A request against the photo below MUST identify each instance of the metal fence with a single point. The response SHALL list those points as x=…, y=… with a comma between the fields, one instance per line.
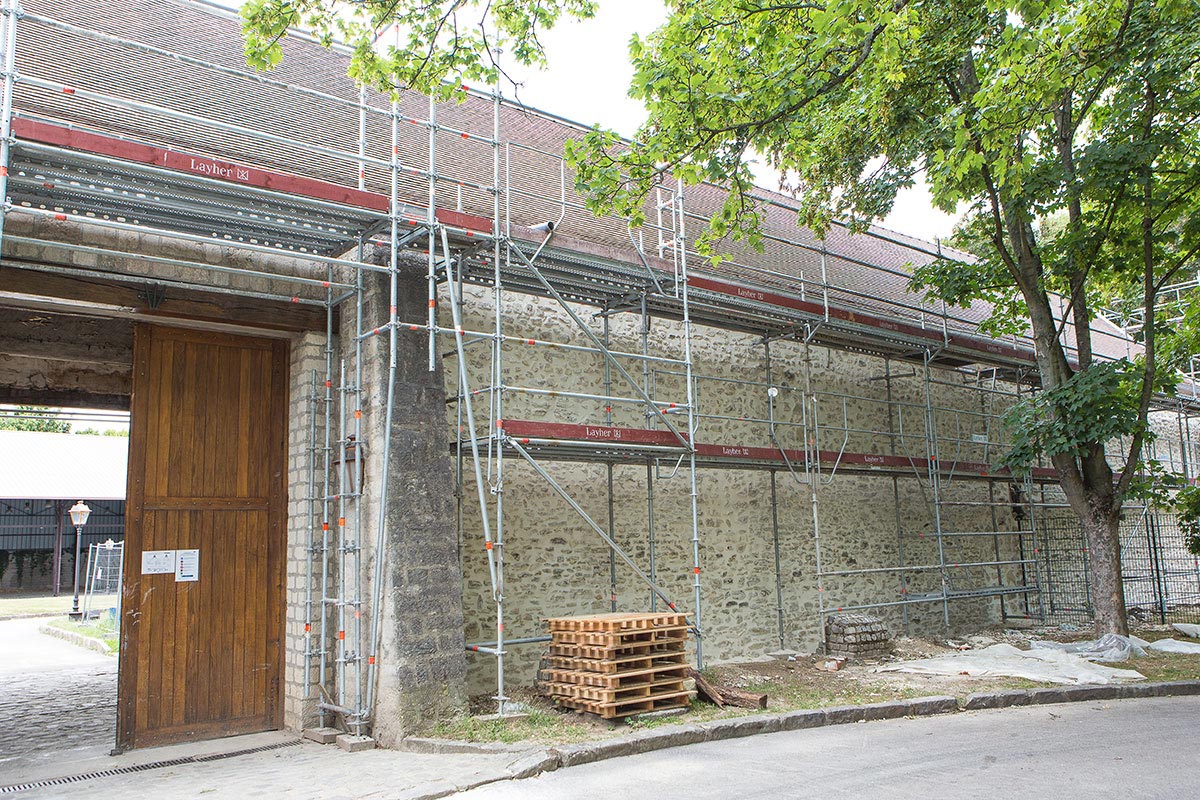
x=103, y=577
x=32, y=530
x=1162, y=578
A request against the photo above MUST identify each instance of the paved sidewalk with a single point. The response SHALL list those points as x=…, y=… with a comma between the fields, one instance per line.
x=24, y=649
x=301, y=770
x=58, y=702
x=58, y=717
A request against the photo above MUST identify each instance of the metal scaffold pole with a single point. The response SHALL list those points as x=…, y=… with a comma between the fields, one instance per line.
x=312, y=549
x=366, y=711
x=892, y=448
x=342, y=566
x=326, y=505
x=812, y=471
x=608, y=470
x=11, y=11
x=499, y=234
x=935, y=484
x=771, y=394
x=682, y=278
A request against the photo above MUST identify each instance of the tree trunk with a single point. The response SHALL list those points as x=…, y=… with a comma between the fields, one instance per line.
x=1101, y=532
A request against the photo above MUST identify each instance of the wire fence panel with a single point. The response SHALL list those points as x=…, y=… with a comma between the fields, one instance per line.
x=1162, y=578
x=103, y=575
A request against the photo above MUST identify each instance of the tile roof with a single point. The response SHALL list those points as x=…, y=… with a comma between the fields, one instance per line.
x=866, y=272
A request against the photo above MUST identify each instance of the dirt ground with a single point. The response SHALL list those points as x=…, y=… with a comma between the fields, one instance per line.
x=798, y=682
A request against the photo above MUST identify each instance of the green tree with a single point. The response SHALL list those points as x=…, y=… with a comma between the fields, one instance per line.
x=1068, y=129
x=90, y=431
x=33, y=418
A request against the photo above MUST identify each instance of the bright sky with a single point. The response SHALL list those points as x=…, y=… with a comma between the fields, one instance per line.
x=590, y=72
x=589, y=75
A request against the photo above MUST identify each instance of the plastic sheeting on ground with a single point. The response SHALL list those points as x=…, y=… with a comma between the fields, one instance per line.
x=1187, y=629
x=1109, y=647
x=999, y=660
x=1175, y=646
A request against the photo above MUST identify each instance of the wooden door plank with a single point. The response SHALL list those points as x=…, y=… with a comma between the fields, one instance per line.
x=185, y=620
x=275, y=533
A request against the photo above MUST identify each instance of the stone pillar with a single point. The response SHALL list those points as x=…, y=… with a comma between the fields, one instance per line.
x=307, y=356
x=421, y=665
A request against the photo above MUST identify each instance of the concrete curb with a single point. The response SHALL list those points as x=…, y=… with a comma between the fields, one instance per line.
x=417, y=744
x=537, y=762
x=530, y=764
x=1076, y=694
x=77, y=639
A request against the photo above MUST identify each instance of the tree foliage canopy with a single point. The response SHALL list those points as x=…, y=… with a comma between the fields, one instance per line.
x=33, y=418
x=438, y=46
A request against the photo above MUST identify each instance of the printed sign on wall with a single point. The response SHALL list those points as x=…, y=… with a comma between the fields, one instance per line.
x=158, y=562
x=187, y=565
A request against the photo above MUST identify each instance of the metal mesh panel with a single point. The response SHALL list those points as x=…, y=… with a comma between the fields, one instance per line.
x=1162, y=579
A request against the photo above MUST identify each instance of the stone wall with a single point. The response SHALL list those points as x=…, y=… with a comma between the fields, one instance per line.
x=556, y=565
x=421, y=662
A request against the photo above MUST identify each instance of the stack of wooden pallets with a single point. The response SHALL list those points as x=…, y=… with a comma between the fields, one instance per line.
x=614, y=665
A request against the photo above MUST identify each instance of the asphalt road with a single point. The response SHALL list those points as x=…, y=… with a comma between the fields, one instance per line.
x=1126, y=749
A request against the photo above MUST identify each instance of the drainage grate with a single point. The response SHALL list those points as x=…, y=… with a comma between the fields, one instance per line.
x=174, y=762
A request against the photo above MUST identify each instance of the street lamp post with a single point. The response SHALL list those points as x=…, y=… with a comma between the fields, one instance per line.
x=79, y=517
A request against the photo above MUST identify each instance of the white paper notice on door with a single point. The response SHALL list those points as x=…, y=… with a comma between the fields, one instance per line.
x=187, y=565
x=158, y=562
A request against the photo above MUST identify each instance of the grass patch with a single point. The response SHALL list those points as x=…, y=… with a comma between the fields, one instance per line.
x=790, y=686
x=17, y=606
x=539, y=726
x=102, y=630
x=1167, y=666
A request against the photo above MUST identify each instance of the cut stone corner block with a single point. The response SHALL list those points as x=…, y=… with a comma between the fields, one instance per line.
x=355, y=744
x=321, y=735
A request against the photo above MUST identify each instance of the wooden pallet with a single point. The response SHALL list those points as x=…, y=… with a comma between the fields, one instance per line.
x=616, y=680
x=614, y=665
x=627, y=707
x=640, y=691
x=619, y=664
x=624, y=651
x=621, y=638
x=617, y=622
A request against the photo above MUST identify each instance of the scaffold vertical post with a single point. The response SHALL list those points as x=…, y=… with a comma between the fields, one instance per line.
x=11, y=11
x=774, y=505
x=681, y=238
x=893, y=449
x=933, y=457
x=608, y=470
x=499, y=238
x=812, y=468
x=309, y=568
x=367, y=711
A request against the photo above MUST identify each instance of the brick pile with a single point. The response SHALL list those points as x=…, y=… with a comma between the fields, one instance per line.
x=860, y=636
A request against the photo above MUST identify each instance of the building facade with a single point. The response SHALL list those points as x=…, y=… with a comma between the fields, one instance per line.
x=404, y=397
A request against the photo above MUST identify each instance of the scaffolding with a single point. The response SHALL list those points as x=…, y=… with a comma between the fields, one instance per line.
x=495, y=217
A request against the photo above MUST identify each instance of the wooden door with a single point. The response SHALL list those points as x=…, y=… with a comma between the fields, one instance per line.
x=203, y=658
